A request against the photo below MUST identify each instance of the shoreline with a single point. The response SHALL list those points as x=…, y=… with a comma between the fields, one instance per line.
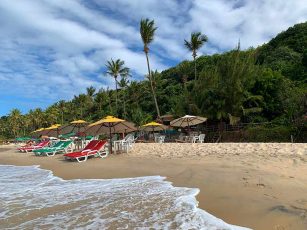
x=260, y=186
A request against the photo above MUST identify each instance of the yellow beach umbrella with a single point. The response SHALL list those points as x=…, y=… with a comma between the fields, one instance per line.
x=78, y=122
x=109, y=125
x=74, y=127
x=153, y=126
x=52, y=131
x=37, y=132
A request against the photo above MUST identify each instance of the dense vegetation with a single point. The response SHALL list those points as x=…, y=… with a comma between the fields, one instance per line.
x=263, y=85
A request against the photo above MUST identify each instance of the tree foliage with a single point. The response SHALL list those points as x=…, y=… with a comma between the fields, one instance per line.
x=263, y=84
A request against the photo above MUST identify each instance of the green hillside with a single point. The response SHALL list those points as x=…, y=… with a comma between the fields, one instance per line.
x=287, y=53
x=262, y=85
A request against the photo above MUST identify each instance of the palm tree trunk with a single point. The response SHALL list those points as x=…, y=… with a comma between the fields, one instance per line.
x=116, y=99
x=151, y=85
x=110, y=104
x=124, y=99
x=195, y=76
x=62, y=117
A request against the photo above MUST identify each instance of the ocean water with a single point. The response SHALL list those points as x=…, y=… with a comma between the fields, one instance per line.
x=33, y=198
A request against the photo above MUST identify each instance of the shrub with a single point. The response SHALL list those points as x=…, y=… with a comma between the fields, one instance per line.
x=266, y=134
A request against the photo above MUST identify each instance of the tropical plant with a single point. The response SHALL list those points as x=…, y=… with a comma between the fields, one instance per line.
x=90, y=91
x=267, y=84
x=197, y=40
x=81, y=102
x=15, y=121
x=100, y=99
x=62, y=108
x=123, y=83
x=147, y=31
x=115, y=69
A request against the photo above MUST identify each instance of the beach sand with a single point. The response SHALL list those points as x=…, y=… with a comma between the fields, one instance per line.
x=256, y=185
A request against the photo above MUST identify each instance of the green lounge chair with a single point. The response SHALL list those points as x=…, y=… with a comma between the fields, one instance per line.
x=60, y=147
x=38, y=152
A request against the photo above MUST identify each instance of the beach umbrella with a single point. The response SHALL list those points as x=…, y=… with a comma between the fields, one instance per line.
x=153, y=126
x=109, y=125
x=38, y=132
x=74, y=127
x=187, y=121
x=52, y=131
x=67, y=135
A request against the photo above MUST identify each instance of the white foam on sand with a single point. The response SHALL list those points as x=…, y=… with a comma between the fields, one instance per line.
x=31, y=197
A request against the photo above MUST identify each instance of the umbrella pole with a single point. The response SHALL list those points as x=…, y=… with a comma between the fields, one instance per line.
x=110, y=139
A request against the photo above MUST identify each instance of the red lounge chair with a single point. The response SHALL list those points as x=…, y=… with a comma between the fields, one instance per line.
x=31, y=148
x=98, y=149
x=89, y=146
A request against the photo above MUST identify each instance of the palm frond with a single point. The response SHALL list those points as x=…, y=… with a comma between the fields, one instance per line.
x=117, y=68
x=147, y=31
x=197, y=40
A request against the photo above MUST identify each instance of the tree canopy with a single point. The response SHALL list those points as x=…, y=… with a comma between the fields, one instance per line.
x=267, y=83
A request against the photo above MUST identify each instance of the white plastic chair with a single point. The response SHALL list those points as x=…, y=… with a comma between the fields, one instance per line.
x=161, y=139
x=124, y=144
x=201, y=138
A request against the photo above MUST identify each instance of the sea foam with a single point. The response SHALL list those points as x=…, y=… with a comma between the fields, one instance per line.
x=32, y=198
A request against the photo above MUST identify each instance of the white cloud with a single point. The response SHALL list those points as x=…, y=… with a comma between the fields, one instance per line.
x=53, y=49
x=254, y=22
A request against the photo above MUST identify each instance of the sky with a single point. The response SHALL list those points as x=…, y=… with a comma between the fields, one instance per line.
x=53, y=49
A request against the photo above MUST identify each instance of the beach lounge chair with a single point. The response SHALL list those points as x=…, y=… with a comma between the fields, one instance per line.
x=99, y=149
x=59, y=147
x=34, y=147
x=38, y=152
x=90, y=145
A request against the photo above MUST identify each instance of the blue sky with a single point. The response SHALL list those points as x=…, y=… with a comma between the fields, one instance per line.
x=53, y=49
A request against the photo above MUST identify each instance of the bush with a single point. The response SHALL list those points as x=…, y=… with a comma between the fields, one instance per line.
x=268, y=134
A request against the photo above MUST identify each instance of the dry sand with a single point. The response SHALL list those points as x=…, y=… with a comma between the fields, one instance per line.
x=261, y=186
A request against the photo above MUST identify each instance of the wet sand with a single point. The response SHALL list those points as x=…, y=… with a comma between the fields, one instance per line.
x=261, y=186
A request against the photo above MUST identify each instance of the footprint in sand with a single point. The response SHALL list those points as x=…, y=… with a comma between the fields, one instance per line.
x=261, y=185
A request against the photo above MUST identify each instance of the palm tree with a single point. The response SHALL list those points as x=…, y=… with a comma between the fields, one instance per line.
x=123, y=83
x=90, y=91
x=147, y=31
x=51, y=115
x=100, y=98
x=81, y=102
x=115, y=69
x=62, y=108
x=15, y=121
x=196, y=42
x=37, y=118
